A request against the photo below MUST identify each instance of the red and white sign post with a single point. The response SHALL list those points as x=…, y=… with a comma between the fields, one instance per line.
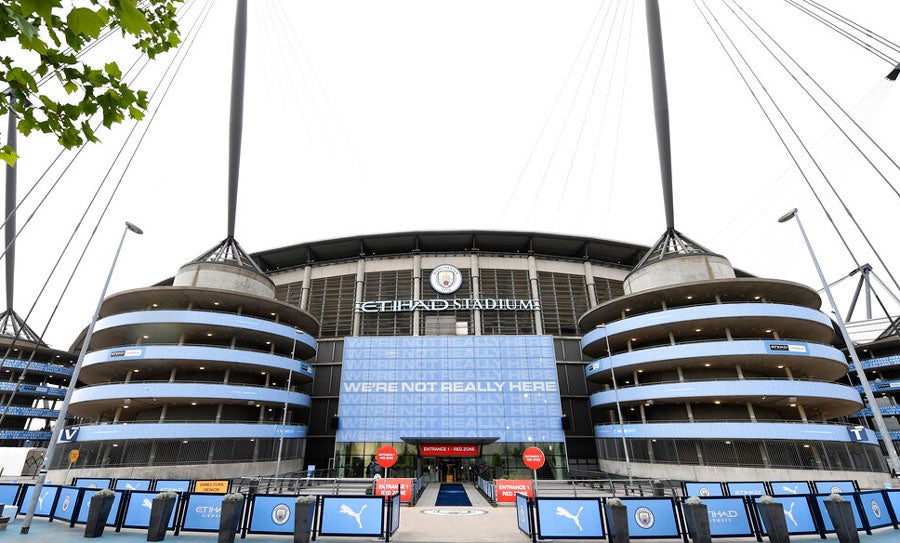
x=534, y=460
x=386, y=457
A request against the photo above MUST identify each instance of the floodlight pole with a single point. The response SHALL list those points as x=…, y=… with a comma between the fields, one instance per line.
x=63, y=410
x=612, y=371
x=860, y=373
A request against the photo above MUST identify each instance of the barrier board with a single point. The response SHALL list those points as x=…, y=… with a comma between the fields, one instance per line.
x=829, y=526
x=728, y=517
x=893, y=500
x=790, y=488
x=137, y=511
x=351, y=516
x=569, y=518
x=9, y=493
x=753, y=488
x=45, y=502
x=798, y=515
x=132, y=484
x=202, y=512
x=876, y=509
x=92, y=483
x=702, y=489
x=219, y=486
x=522, y=517
x=651, y=518
x=834, y=487
x=395, y=513
x=172, y=485
x=86, y=505
x=67, y=503
x=273, y=514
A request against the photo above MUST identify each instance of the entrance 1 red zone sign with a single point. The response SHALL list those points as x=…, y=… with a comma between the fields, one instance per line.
x=533, y=458
x=388, y=487
x=508, y=488
x=386, y=456
x=448, y=450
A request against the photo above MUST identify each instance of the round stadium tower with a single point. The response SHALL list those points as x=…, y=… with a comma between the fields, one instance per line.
x=192, y=380
x=719, y=377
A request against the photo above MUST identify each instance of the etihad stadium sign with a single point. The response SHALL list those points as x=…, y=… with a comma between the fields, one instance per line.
x=463, y=304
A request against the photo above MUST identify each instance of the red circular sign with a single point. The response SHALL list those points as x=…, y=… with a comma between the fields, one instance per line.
x=533, y=458
x=386, y=456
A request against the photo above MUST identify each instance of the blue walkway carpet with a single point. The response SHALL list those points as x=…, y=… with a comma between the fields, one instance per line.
x=452, y=494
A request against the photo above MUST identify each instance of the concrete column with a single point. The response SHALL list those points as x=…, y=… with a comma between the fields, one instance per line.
x=751, y=412
x=680, y=373
x=728, y=335
x=535, y=294
x=643, y=413
x=671, y=338
x=219, y=413
x=634, y=375
x=802, y=413
x=690, y=412
x=775, y=335
x=790, y=375
x=304, y=288
x=358, y=295
x=117, y=415
x=181, y=339
x=764, y=456
x=699, y=453
x=589, y=283
x=740, y=372
x=172, y=375
x=476, y=290
x=227, y=374
x=162, y=413
x=128, y=376
x=417, y=291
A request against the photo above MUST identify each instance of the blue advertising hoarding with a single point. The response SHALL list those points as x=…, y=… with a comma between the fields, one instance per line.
x=202, y=512
x=651, y=518
x=893, y=498
x=92, y=483
x=8, y=493
x=137, y=513
x=569, y=518
x=829, y=526
x=703, y=489
x=834, y=487
x=86, y=505
x=345, y=515
x=45, y=500
x=798, y=515
x=792, y=488
x=728, y=517
x=522, y=513
x=65, y=506
x=449, y=387
x=395, y=513
x=273, y=515
x=746, y=489
x=172, y=485
x=132, y=484
x=876, y=509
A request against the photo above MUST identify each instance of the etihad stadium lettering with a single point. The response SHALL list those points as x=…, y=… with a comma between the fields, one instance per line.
x=490, y=304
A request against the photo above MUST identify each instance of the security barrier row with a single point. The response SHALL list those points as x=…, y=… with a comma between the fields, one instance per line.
x=729, y=516
x=346, y=516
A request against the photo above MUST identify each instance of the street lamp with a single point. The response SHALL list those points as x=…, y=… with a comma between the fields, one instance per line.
x=61, y=418
x=287, y=391
x=863, y=380
x=612, y=371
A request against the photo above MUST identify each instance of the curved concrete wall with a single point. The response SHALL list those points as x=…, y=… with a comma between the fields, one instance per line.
x=677, y=270
x=225, y=277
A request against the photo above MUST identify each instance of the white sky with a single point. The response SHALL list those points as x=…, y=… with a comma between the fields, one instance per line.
x=372, y=117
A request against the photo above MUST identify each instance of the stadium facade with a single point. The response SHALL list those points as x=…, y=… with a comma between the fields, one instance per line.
x=460, y=349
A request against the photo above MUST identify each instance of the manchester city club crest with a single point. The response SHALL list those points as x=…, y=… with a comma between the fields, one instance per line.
x=704, y=491
x=876, y=509
x=446, y=279
x=68, y=499
x=835, y=490
x=280, y=514
x=644, y=518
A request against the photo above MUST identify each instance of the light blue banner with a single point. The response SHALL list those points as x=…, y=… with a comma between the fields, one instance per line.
x=829, y=526
x=522, y=514
x=351, y=516
x=92, y=483
x=728, y=517
x=273, y=514
x=569, y=518
x=137, y=515
x=789, y=488
x=133, y=484
x=797, y=515
x=876, y=509
x=746, y=489
x=834, y=487
x=8, y=493
x=86, y=506
x=703, y=489
x=65, y=507
x=395, y=512
x=45, y=499
x=651, y=517
x=203, y=512
x=172, y=485
x=893, y=497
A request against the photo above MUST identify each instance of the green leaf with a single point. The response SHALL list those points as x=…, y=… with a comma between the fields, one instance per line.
x=70, y=87
x=113, y=70
x=85, y=21
x=135, y=113
x=8, y=155
x=23, y=78
x=131, y=19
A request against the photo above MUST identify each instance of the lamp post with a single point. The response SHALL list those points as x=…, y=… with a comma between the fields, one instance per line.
x=287, y=391
x=61, y=418
x=863, y=380
x=612, y=371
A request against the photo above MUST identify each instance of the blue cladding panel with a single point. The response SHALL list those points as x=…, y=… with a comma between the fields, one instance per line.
x=453, y=387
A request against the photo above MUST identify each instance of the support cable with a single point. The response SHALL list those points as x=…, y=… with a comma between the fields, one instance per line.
x=590, y=103
x=818, y=86
x=769, y=118
x=568, y=115
x=550, y=113
x=847, y=21
x=843, y=32
x=105, y=209
x=827, y=180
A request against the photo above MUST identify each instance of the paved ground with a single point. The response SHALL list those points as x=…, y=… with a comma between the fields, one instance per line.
x=420, y=524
